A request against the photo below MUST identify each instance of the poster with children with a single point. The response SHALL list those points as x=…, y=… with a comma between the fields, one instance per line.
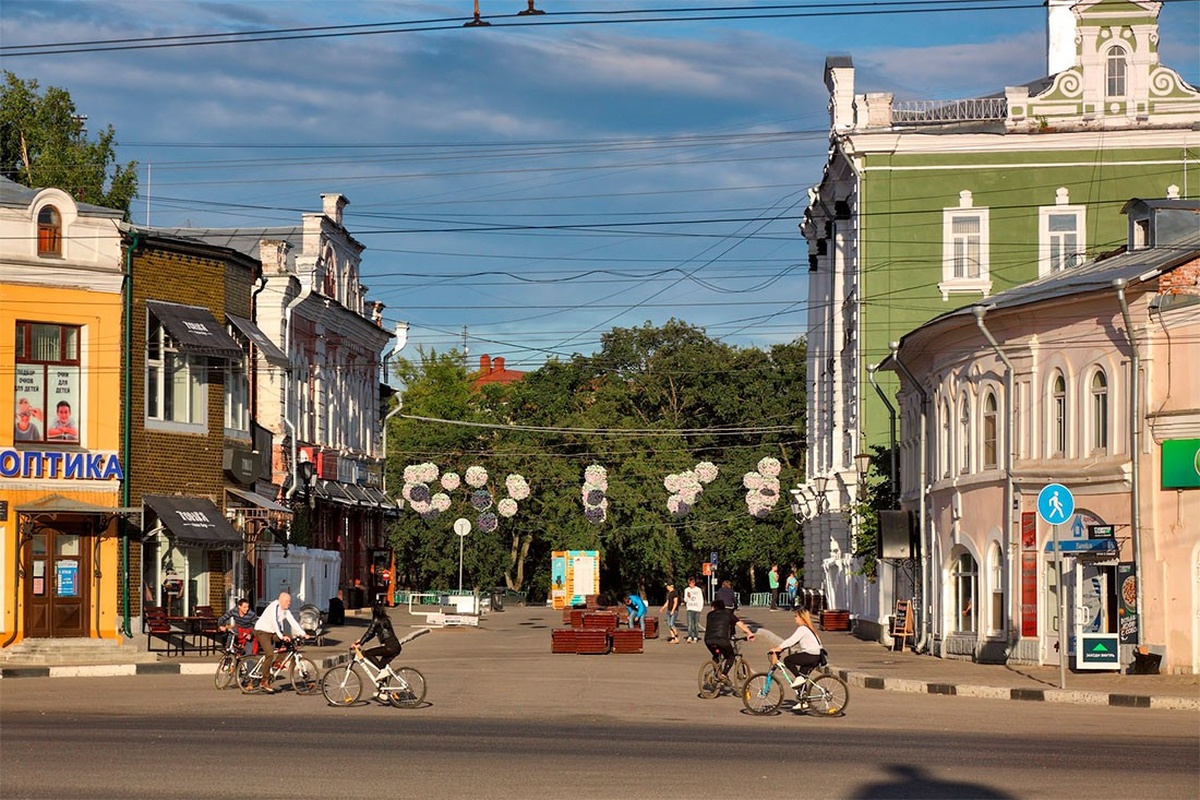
x=30, y=418
x=62, y=404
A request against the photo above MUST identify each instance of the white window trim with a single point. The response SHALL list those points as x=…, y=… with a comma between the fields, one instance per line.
x=191, y=363
x=950, y=284
x=1045, y=251
x=1095, y=448
x=1053, y=428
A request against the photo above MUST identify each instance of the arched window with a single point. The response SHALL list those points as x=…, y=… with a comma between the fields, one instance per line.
x=1099, y=412
x=997, y=620
x=989, y=430
x=945, y=450
x=966, y=586
x=965, y=434
x=1114, y=72
x=49, y=232
x=1058, y=421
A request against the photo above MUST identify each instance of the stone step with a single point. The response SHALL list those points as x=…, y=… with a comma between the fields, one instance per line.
x=44, y=652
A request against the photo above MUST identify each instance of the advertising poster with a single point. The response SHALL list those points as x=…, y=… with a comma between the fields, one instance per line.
x=558, y=579
x=1127, y=613
x=30, y=404
x=574, y=574
x=62, y=404
x=67, y=579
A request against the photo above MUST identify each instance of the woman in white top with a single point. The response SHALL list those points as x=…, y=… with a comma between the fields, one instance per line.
x=808, y=648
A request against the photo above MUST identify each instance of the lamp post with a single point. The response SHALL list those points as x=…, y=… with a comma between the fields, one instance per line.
x=462, y=526
x=820, y=484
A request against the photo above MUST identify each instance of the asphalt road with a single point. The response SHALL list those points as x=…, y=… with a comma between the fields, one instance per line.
x=505, y=719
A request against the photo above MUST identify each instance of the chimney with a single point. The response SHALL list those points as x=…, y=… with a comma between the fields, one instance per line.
x=332, y=205
x=499, y=363
x=1060, y=36
x=485, y=364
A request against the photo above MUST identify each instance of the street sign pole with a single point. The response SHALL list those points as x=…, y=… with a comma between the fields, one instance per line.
x=462, y=527
x=1063, y=646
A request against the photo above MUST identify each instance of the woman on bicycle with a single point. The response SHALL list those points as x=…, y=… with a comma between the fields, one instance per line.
x=389, y=645
x=808, y=654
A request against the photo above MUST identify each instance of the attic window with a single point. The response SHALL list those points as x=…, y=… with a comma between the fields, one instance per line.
x=49, y=232
x=1115, y=72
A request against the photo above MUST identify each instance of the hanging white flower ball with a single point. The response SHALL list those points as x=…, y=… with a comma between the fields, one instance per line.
x=706, y=472
x=440, y=501
x=752, y=480
x=507, y=507
x=451, y=481
x=518, y=487
x=476, y=476
x=769, y=466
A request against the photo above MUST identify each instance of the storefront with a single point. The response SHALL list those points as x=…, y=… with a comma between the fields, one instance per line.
x=187, y=554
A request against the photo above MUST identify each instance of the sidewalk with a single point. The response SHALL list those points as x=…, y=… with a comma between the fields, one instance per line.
x=864, y=664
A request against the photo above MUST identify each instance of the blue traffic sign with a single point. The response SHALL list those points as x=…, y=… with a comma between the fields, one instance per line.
x=713, y=559
x=1055, y=504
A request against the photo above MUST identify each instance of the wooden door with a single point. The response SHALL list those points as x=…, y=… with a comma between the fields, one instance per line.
x=57, y=590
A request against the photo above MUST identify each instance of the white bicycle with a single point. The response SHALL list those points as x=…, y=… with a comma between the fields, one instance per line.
x=403, y=687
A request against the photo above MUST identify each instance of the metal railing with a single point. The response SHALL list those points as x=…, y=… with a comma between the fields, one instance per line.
x=931, y=112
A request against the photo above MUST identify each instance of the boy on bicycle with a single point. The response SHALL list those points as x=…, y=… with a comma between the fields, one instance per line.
x=719, y=626
x=241, y=619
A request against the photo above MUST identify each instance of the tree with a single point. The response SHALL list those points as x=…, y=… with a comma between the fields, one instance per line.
x=43, y=143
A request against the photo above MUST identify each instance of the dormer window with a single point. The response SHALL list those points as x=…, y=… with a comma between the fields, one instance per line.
x=49, y=232
x=1114, y=72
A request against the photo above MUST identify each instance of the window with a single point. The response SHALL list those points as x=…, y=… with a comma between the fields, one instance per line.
x=237, y=399
x=996, y=566
x=176, y=390
x=989, y=430
x=47, y=394
x=1058, y=410
x=966, y=578
x=1061, y=235
x=1099, y=413
x=965, y=436
x=49, y=232
x=1114, y=72
x=964, y=248
x=944, y=449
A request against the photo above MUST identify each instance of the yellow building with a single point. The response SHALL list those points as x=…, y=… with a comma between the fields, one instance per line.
x=63, y=545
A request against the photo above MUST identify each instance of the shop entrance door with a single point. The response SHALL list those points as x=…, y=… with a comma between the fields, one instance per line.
x=1053, y=644
x=57, y=597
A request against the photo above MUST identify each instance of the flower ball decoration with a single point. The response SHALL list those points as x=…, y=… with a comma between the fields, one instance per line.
x=762, y=487
x=451, y=481
x=507, y=507
x=440, y=502
x=686, y=487
x=518, y=487
x=595, y=503
x=486, y=522
x=476, y=477
x=481, y=499
x=418, y=493
x=417, y=478
x=706, y=472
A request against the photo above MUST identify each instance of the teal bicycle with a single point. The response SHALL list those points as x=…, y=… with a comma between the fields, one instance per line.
x=825, y=695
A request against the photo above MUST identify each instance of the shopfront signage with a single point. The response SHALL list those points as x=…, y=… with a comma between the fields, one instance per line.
x=1101, y=531
x=60, y=465
x=1098, y=651
x=1181, y=464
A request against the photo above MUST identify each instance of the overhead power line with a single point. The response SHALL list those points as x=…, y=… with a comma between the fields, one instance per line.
x=615, y=432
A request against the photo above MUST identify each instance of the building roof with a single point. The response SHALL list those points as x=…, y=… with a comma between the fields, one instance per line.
x=243, y=240
x=15, y=195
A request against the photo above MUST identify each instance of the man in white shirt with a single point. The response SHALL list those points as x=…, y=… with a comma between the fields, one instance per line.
x=275, y=622
x=693, y=601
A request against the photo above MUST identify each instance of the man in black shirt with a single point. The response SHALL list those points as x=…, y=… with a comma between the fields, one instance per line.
x=719, y=627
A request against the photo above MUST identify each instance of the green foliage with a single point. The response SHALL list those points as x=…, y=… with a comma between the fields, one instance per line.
x=43, y=144
x=653, y=401
x=881, y=494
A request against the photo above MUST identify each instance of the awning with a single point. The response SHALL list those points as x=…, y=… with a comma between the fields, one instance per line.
x=265, y=346
x=332, y=491
x=196, y=330
x=194, y=521
x=356, y=492
x=47, y=509
x=382, y=500
x=256, y=499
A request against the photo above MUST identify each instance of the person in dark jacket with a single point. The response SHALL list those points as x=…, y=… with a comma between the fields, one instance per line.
x=241, y=619
x=381, y=626
x=719, y=628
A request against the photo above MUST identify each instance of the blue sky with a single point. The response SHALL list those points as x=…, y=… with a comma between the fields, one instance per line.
x=540, y=180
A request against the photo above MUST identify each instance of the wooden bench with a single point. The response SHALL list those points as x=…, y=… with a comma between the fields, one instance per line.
x=158, y=628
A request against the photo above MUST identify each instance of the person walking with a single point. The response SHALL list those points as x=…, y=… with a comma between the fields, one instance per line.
x=773, y=585
x=671, y=609
x=693, y=603
x=727, y=596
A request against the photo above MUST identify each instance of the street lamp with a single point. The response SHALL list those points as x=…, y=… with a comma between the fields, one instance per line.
x=820, y=484
x=462, y=527
x=862, y=462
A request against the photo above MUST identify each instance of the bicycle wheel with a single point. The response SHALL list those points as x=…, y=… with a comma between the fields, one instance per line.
x=226, y=671
x=709, y=680
x=304, y=675
x=407, y=689
x=249, y=672
x=741, y=671
x=828, y=696
x=762, y=694
x=342, y=685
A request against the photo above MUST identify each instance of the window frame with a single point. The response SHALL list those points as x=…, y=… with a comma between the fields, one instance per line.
x=49, y=232
x=989, y=451
x=1116, y=73
x=965, y=578
x=62, y=370
x=169, y=365
x=965, y=435
x=1055, y=256
x=951, y=241
x=1100, y=419
x=1058, y=411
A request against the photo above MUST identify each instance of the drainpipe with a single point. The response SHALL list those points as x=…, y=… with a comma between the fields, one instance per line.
x=871, y=368
x=926, y=540
x=1009, y=450
x=1135, y=517
x=305, y=291
x=126, y=424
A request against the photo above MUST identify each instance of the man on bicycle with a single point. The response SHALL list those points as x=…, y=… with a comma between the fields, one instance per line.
x=719, y=628
x=276, y=622
x=241, y=619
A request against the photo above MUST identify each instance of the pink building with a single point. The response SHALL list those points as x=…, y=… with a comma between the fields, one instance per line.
x=1033, y=387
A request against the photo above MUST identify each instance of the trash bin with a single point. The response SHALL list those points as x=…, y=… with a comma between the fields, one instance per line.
x=1145, y=663
x=498, y=598
x=356, y=597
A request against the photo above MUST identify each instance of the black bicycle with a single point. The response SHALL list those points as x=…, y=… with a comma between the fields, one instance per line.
x=231, y=656
x=713, y=683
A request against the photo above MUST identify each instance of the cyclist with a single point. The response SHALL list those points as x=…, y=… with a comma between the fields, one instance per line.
x=276, y=622
x=808, y=643
x=389, y=645
x=240, y=619
x=719, y=627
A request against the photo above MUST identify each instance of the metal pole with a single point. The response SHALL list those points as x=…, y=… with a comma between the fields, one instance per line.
x=1063, y=647
x=460, y=556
